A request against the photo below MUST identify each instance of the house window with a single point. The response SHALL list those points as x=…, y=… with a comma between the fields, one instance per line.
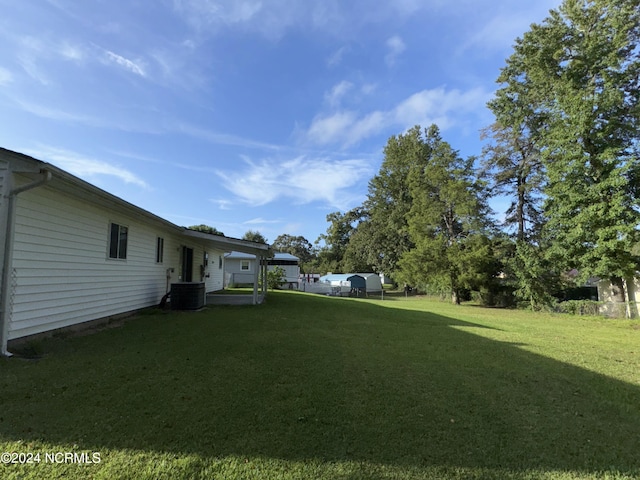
x=244, y=265
x=220, y=262
x=160, y=250
x=118, y=241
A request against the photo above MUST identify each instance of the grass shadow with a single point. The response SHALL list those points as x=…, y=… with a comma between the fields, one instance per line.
x=305, y=377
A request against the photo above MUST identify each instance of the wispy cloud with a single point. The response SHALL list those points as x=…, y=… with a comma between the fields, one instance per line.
x=443, y=107
x=5, y=77
x=303, y=180
x=395, y=46
x=220, y=138
x=334, y=97
x=336, y=57
x=57, y=114
x=83, y=166
x=222, y=204
x=125, y=63
x=261, y=221
x=71, y=51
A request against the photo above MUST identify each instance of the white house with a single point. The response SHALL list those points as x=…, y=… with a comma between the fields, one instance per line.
x=72, y=253
x=239, y=268
x=621, y=299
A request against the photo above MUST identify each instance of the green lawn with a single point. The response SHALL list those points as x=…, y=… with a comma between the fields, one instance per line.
x=311, y=387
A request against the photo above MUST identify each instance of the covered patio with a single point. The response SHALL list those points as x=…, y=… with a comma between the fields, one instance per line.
x=262, y=253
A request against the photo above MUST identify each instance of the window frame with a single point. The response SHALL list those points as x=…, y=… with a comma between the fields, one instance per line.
x=159, y=249
x=118, y=241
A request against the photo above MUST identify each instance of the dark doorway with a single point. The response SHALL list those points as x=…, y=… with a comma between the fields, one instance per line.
x=187, y=264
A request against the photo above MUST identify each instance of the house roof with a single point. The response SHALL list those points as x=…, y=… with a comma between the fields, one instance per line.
x=285, y=256
x=276, y=256
x=72, y=185
x=335, y=277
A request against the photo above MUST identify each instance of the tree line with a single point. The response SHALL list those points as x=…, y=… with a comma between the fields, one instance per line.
x=563, y=149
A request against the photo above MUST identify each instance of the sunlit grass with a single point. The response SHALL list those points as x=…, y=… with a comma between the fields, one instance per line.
x=312, y=387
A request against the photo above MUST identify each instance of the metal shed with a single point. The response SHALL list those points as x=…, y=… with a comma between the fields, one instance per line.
x=364, y=283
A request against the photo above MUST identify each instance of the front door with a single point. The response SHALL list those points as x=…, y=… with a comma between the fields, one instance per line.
x=187, y=264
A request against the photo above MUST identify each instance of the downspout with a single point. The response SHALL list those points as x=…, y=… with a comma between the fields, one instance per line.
x=5, y=286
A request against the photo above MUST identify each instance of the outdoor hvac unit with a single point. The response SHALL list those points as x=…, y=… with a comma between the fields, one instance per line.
x=187, y=296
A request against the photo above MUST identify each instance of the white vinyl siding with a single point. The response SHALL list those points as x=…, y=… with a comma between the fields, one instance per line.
x=61, y=275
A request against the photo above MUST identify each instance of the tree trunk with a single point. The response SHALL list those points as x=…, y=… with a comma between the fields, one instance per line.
x=520, y=209
x=455, y=297
x=631, y=308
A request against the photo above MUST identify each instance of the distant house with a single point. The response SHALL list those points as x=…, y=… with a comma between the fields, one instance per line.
x=619, y=300
x=72, y=253
x=239, y=268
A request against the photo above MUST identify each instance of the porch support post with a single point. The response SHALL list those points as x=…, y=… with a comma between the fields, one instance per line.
x=265, y=269
x=256, y=276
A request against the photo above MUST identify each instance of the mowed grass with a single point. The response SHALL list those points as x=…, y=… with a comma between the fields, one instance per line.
x=309, y=387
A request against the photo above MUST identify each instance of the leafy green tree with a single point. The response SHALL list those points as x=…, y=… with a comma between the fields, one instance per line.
x=254, y=236
x=578, y=72
x=447, y=222
x=362, y=254
x=275, y=278
x=336, y=239
x=295, y=245
x=512, y=162
x=206, y=229
x=385, y=236
x=535, y=275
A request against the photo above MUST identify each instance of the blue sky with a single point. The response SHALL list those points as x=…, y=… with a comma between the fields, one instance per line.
x=246, y=114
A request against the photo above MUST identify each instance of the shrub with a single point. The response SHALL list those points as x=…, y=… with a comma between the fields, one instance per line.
x=579, y=307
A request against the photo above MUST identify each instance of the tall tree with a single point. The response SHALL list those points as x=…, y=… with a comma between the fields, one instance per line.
x=579, y=71
x=206, y=229
x=389, y=201
x=295, y=245
x=341, y=225
x=447, y=222
x=254, y=236
x=513, y=163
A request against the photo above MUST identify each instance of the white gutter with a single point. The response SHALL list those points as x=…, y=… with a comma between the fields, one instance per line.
x=7, y=267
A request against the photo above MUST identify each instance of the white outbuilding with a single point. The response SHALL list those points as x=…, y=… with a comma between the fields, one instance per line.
x=358, y=283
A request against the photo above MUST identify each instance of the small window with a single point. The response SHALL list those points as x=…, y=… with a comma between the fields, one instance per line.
x=160, y=250
x=220, y=262
x=244, y=265
x=118, y=241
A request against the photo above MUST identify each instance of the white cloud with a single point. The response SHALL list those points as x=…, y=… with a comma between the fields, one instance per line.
x=395, y=46
x=58, y=115
x=328, y=129
x=71, y=52
x=223, y=204
x=219, y=138
x=260, y=221
x=444, y=107
x=368, y=88
x=5, y=77
x=303, y=180
x=202, y=13
x=209, y=16
x=125, y=63
x=336, y=57
x=439, y=106
x=85, y=167
x=334, y=97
